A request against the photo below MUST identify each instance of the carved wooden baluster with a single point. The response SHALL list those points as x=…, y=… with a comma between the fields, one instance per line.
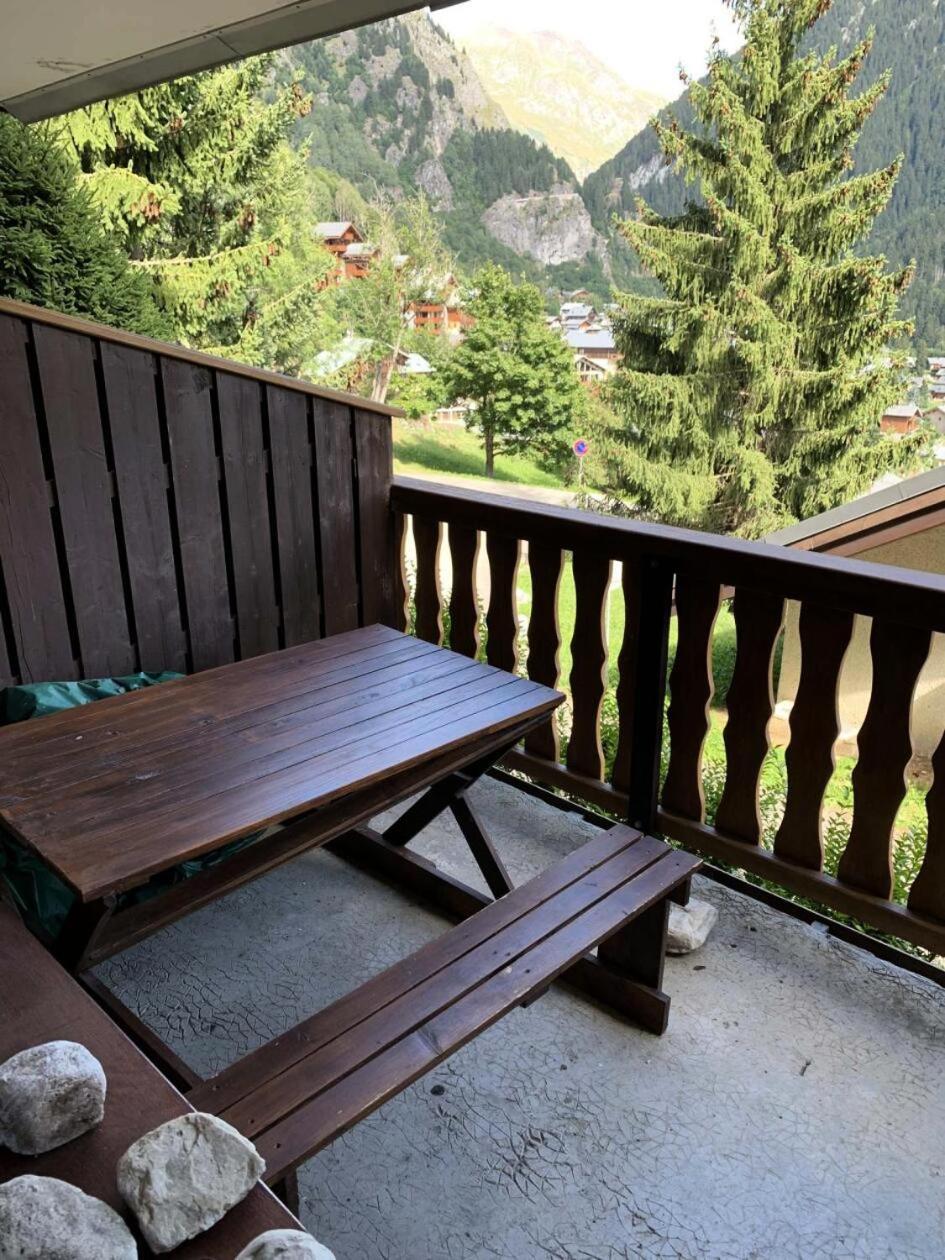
x=885, y=749
x=928, y=892
x=691, y=690
x=544, y=639
x=589, y=662
x=427, y=536
x=502, y=617
x=464, y=608
x=759, y=616
x=401, y=592
x=815, y=724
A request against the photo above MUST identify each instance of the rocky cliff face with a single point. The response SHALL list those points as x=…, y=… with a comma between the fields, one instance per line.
x=551, y=227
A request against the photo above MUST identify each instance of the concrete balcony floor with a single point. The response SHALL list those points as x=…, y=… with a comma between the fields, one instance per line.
x=795, y=1107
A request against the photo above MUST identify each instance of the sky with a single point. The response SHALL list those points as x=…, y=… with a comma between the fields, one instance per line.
x=645, y=41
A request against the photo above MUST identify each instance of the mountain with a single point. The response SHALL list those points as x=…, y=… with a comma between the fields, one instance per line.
x=910, y=41
x=397, y=107
x=555, y=90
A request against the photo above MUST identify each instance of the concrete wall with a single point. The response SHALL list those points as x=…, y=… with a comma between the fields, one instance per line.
x=925, y=552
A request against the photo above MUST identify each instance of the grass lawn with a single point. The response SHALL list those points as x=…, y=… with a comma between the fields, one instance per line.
x=454, y=451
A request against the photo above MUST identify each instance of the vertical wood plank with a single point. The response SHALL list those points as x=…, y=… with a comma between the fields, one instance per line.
x=141, y=478
x=464, y=603
x=83, y=485
x=7, y=676
x=691, y=689
x=885, y=749
x=927, y=895
x=502, y=617
x=544, y=640
x=815, y=723
x=641, y=693
x=27, y=543
x=401, y=618
x=189, y=415
x=291, y=454
x=592, y=572
x=759, y=616
x=374, y=451
x=334, y=474
x=247, y=505
x=427, y=536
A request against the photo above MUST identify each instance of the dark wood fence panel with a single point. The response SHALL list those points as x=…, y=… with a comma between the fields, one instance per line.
x=142, y=482
x=427, y=537
x=464, y=603
x=502, y=616
x=592, y=571
x=544, y=640
x=161, y=509
x=927, y=896
x=28, y=560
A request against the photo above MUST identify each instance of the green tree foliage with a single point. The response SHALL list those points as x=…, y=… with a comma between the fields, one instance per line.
x=53, y=249
x=751, y=390
x=516, y=370
x=198, y=180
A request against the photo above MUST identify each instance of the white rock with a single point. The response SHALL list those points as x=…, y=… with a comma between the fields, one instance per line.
x=49, y=1094
x=689, y=926
x=185, y=1175
x=285, y=1244
x=42, y=1218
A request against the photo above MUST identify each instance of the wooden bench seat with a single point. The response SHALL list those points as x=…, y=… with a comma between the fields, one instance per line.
x=299, y=1092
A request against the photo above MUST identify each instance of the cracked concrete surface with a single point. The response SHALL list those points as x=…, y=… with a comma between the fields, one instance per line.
x=795, y=1107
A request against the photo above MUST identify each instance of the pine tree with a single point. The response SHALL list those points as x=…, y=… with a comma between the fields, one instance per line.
x=53, y=249
x=197, y=178
x=751, y=389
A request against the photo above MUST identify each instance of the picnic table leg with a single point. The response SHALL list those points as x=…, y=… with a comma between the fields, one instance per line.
x=85, y=923
x=287, y=1189
x=637, y=953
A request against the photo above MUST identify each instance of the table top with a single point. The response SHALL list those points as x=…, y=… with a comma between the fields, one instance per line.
x=114, y=792
x=53, y=1006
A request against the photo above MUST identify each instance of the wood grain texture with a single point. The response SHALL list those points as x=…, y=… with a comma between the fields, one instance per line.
x=691, y=690
x=374, y=454
x=815, y=723
x=28, y=560
x=464, y=597
x=248, y=518
x=502, y=617
x=544, y=639
x=592, y=572
x=927, y=896
x=759, y=616
x=334, y=467
x=84, y=494
x=141, y=478
x=885, y=750
x=428, y=598
x=290, y=452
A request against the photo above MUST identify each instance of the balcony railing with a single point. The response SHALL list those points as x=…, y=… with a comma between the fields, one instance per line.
x=653, y=774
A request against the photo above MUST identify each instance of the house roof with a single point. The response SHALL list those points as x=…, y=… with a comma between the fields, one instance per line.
x=897, y=511
x=331, y=231
x=360, y=249
x=590, y=339
x=905, y=411
x=59, y=54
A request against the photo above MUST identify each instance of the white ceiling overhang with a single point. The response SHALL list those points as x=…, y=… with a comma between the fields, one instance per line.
x=56, y=55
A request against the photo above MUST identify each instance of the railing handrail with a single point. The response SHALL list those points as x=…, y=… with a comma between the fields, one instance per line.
x=171, y=350
x=901, y=595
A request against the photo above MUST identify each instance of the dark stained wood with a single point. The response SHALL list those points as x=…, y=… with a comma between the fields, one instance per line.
x=691, y=688
x=142, y=482
x=638, y=950
x=400, y=619
x=375, y=464
x=885, y=750
x=502, y=616
x=464, y=602
x=195, y=473
x=759, y=617
x=544, y=639
x=84, y=494
x=247, y=509
x=183, y=786
x=927, y=896
x=481, y=847
x=427, y=537
x=291, y=456
x=592, y=572
x=334, y=468
x=824, y=638
x=28, y=562
x=52, y=1007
